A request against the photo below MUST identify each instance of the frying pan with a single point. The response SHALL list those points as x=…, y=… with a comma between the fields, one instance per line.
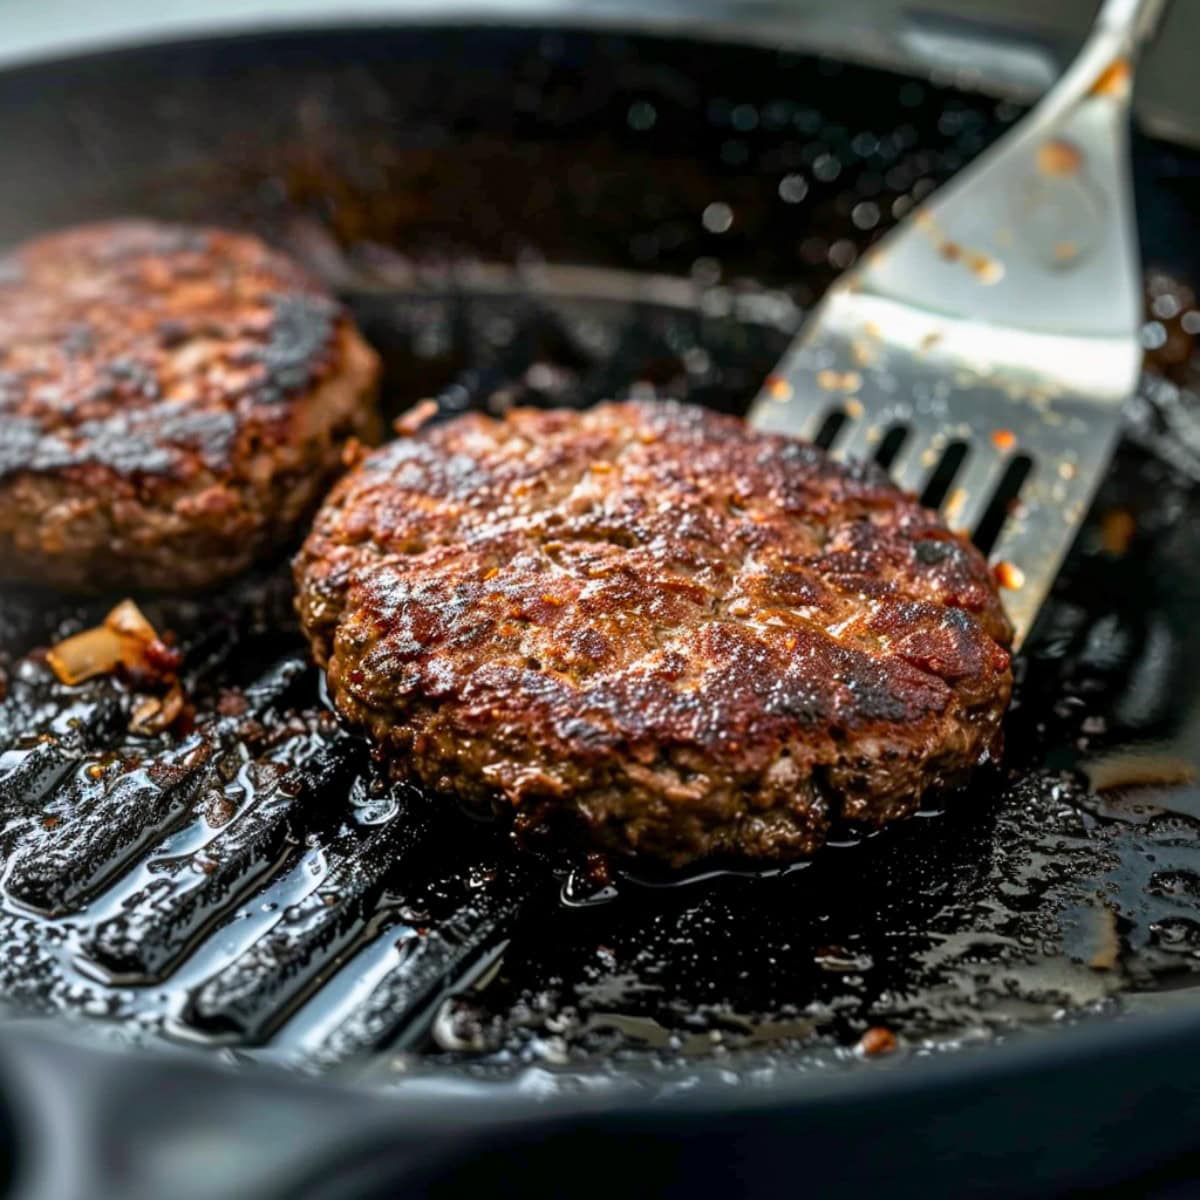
x=518, y=213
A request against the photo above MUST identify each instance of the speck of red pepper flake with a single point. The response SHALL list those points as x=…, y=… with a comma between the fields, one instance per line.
x=877, y=1040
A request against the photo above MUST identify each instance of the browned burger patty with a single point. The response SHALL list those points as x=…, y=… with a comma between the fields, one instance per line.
x=172, y=401
x=651, y=629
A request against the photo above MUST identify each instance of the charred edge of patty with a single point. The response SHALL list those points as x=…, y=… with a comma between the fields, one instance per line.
x=677, y=806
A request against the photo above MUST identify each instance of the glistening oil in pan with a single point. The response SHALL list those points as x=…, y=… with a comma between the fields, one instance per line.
x=281, y=902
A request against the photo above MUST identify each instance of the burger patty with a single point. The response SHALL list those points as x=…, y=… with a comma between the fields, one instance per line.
x=648, y=629
x=173, y=401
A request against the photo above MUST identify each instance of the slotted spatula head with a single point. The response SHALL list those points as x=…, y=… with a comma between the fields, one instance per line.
x=983, y=350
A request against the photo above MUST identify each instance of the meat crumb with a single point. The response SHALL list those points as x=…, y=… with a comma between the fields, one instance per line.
x=409, y=422
x=877, y=1041
x=126, y=645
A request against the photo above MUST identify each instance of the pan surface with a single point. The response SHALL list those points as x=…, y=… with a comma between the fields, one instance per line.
x=539, y=216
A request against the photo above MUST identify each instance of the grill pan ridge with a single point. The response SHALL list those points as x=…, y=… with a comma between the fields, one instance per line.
x=257, y=886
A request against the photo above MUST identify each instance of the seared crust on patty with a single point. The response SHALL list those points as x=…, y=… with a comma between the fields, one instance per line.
x=172, y=401
x=653, y=630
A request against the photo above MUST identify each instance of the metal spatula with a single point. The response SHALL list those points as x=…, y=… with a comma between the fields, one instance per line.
x=983, y=350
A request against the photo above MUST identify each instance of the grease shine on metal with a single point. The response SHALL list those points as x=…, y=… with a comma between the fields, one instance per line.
x=1003, y=314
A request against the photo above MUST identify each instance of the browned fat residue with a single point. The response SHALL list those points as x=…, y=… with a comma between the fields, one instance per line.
x=984, y=267
x=1138, y=768
x=1117, y=528
x=1106, y=940
x=1113, y=80
x=1059, y=157
x=838, y=381
x=1009, y=576
x=862, y=353
x=954, y=505
x=987, y=268
x=153, y=714
x=778, y=388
